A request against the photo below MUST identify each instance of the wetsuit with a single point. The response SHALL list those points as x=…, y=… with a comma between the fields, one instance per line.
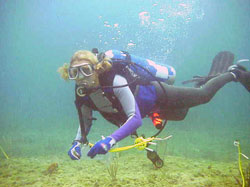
x=173, y=104
x=129, y=107
x=175, y=101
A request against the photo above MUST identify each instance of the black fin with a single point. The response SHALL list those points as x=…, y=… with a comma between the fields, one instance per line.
x=220, y=64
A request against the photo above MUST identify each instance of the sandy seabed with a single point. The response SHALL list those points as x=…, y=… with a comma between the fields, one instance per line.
x=133, y=170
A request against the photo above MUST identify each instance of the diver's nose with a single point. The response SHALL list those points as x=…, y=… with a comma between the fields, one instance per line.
x=80, y=75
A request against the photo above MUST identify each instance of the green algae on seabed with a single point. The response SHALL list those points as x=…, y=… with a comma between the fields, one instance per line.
x=134, y=170
x=112, y=168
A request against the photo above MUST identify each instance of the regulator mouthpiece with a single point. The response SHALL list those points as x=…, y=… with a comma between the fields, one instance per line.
x=81, y=91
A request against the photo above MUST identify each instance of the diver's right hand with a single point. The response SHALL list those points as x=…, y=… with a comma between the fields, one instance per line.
x=75, y=151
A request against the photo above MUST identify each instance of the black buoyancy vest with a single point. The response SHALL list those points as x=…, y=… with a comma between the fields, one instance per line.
x=106, y=79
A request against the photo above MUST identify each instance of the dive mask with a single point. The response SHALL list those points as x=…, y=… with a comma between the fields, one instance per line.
x=86, y=70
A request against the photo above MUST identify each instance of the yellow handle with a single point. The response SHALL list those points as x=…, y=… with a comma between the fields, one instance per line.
x=140, y=143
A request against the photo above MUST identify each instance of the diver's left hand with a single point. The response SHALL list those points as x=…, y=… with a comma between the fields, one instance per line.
x=102, y=147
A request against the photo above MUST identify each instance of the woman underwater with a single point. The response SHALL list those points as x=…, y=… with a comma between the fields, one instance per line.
x=103, y=85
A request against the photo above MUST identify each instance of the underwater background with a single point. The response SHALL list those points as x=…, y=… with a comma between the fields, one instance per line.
x=38, y=118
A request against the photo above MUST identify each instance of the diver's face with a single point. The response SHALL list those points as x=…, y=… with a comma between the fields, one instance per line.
x=83, y=72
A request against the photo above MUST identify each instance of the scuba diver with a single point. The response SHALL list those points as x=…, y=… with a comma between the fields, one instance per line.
x=125, y=88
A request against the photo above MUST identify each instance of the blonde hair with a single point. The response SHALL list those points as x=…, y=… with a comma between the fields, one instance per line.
x=101, y=67
x=63, y=71
x=104, y=65
x=84, y=55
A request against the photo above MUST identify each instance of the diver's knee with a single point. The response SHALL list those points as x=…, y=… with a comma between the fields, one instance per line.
x=182, y=114
x=205, y=96
x=205, y=99
x=176, y=114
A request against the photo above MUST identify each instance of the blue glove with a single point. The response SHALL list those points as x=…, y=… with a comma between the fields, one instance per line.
x=75, y=151
x=102, y=147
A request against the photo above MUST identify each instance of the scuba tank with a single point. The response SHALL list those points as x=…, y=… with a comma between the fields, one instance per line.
x=142, y=71
x=146, y=70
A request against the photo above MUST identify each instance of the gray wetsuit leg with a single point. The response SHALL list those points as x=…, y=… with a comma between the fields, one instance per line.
x=176, y=100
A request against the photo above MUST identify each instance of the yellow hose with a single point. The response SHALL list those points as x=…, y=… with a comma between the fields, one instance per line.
x=140, y=144
x=6, y=156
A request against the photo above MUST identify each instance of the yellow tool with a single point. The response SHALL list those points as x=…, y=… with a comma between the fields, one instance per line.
x=140, y=143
